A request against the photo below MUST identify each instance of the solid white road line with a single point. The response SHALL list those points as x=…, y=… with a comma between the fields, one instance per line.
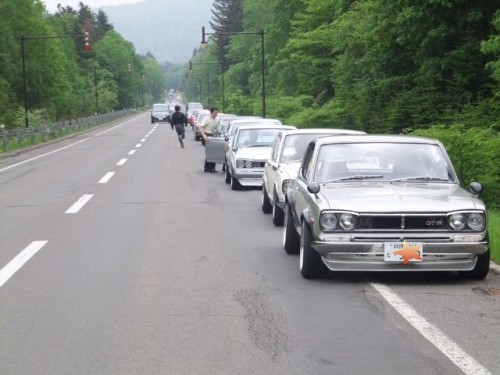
x=42, y=155
x=131, y=152
x=15, y=264
x=449, y=348
x=122, y=161
x=79, y=204
x=106, y=177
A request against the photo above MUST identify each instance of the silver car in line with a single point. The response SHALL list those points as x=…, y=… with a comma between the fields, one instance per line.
x=384, y=203
x=283, y=166
x=251, y=148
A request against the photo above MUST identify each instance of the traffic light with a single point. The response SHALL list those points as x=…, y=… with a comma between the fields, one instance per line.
x=86, y=46
x=129, y=68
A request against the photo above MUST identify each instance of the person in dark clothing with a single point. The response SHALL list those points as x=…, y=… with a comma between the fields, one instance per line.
x=178, y=120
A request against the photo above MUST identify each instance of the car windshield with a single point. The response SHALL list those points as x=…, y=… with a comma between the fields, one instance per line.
x=236, y=125
x=395, y=162
x=160, y=108
x=256, y=137
x=295, y=146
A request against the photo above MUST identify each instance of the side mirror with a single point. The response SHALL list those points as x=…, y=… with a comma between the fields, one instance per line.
x=235, y=149
x=475, y=188
x=313, y=188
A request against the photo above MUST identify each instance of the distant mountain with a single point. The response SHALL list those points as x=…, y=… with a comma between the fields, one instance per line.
x=169, y=29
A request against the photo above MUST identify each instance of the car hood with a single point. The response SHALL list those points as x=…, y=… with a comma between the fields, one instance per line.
x=254, y=153
x=398, y=197
x=289, y=170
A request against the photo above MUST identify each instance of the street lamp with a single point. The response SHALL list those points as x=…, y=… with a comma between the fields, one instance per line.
x=204, y=44
x=221, y=77
x=87, y=47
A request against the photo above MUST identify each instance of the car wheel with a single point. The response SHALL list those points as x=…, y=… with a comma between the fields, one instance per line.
x=265, y=203
x=291, y=240
x=235, y=185
x=278, y=214
x=481, y=268
x=227, y=175
x=311, y=265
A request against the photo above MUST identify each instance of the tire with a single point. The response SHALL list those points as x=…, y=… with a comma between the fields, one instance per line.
x=227, y=175
x=235, y=185
x=291, y=240
x=311, y=265
x=481, y=268
x=265, y=203
x=278, y=214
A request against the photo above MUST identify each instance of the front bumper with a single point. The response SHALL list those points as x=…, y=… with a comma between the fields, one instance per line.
x=369, y=256
x=249, y=177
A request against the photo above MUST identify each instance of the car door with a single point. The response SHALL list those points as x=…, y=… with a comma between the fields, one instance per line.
x=271, y=168
x=215, y=149
x=300, y=193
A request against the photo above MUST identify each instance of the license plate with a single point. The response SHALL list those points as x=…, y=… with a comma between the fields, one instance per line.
x=403, y=252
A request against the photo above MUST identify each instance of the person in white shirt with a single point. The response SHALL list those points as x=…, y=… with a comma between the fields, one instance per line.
x=208, y=128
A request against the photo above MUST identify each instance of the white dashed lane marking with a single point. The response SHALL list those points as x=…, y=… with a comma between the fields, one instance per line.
x=79, y=204
x=106, y=177
x=15, y=264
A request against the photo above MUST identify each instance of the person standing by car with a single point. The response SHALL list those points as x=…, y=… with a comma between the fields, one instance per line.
x=208, y=128
x=179, y=121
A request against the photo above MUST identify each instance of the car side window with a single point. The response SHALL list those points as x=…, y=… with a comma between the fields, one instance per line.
x=307, y=169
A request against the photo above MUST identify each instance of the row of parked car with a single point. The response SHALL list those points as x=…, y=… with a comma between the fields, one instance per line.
x=351, y=201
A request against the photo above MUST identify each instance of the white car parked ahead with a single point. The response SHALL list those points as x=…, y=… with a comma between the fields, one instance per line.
x=251, y=148
x=283, y=166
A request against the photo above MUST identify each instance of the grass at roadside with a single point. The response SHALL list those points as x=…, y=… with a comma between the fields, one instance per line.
x=494, y=234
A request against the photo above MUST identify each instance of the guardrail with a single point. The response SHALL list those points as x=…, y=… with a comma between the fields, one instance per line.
x=23, y=137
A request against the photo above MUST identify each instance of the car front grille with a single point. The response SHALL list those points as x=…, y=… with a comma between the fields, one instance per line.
x=402, y=222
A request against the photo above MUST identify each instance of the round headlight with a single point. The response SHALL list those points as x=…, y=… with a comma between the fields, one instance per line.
x=240, y=164
x=475, y=221
x=286, y=185
x=347, y=221
x=248, y=164
x=457, y=221
x=328, y=221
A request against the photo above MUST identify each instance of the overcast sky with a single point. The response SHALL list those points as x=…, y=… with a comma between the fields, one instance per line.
x=51, y=5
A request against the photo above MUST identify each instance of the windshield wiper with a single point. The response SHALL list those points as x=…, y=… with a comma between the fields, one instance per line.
x=421, y=178
x=256, y=145
x=356, y=177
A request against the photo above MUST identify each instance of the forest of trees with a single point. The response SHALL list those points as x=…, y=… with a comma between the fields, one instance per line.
x=63, y=80
x=426, y=67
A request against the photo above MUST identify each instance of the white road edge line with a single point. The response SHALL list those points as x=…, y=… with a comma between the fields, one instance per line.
x=106, y=177
x=79, y=204
x=65, y=147
x=15, y=264
x=42, y=155
x=122, y=161
x=449, y=348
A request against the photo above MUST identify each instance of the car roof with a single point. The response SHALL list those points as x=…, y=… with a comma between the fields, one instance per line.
x=324, y=131
x=378, y=138
x=266, y=126
x=239, y=120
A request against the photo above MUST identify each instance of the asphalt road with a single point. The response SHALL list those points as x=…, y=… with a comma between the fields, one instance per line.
x=118, y=255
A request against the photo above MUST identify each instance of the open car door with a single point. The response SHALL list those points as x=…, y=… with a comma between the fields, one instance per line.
x=215, y=149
